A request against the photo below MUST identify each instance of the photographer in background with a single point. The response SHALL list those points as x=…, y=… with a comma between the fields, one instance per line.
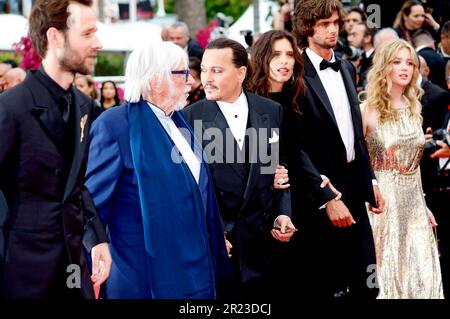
x=349, y=53
x=435, y=164
x=437, y=189
x=435, y=100
x=250, y=39
x=361, y=37
x=282, y=18
x=436, y=184
x=354, y=16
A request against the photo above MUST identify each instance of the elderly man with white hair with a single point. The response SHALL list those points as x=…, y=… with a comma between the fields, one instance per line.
x=152, y=188
x=383, y=36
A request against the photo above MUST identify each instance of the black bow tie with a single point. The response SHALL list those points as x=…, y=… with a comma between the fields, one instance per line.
x=336, y=65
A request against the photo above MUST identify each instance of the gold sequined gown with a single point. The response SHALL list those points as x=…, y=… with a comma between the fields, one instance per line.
x=406, y=249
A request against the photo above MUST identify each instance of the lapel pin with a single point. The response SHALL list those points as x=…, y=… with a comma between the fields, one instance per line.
x=82, y=125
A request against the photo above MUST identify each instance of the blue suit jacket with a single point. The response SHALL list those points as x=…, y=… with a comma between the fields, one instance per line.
x=113, y=186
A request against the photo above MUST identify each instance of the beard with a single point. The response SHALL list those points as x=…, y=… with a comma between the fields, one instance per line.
x=328, y=45
x=74, y=62
x=178, y=97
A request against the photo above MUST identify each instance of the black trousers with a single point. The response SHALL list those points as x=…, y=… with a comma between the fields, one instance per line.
x=439, y=203
x=331, y=259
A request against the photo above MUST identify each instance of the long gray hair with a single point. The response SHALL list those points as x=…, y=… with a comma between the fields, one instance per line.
x=157, y=59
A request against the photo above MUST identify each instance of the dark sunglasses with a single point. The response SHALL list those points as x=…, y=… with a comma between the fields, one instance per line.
x=185, y=72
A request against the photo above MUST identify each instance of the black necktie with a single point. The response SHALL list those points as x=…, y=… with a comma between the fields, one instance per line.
x=65, y=103
x=336, y=65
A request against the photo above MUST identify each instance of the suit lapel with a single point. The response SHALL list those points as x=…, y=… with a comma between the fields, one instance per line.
x=447, y=120
x=81, y=127
x=213, y=120
x=315, y=84
x=45, y=110
x=352, y=99
x=257, y=121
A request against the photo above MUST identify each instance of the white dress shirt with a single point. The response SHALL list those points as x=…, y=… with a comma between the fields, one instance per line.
x=445, y=55
x=236, y=115
x=369, y=52
x=337, y=95
x=192, y=161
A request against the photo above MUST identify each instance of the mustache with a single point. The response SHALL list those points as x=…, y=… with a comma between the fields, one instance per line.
x=210, y=86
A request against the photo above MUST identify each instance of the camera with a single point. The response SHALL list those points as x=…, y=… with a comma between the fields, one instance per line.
x=438, y=135
x=352, y=53
x=248, y=36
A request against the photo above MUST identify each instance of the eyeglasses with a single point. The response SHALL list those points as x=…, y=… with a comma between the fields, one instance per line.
x=185, y=72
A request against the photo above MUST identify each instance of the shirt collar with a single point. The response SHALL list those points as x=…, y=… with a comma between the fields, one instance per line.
x=162, y=117
x=420, y=47
x=240, y=101
x=369, y=52
x=316, y=59
x=445, y=55
x=54, y=88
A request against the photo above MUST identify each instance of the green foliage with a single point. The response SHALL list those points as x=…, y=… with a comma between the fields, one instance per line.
x=10, y=55
x=109, y=64
x=169, y=6
x=234, y=8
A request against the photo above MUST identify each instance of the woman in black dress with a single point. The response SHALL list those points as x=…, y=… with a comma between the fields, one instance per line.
x=277, y=73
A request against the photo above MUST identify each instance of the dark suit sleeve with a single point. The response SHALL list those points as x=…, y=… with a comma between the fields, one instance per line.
x=7, y=134
x=299, y=162
x=283, y=195
x=94, y=231
x=311, y=177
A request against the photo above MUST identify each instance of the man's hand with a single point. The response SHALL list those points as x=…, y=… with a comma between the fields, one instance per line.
x=443, y=152
x=281, y=178
x=228, y=245
x=339, y=214
x=101, y=264
x=283, y=229
x=379, y=201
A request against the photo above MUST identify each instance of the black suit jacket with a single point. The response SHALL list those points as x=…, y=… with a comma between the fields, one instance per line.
x=366, y=64
x=194, y=49
x=252, y=208
x=431, y=179
x=320, y=135
x=435, y=102
x=436, y=63
x=45, y=215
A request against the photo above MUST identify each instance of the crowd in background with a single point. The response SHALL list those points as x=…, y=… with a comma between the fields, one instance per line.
x=392, y=138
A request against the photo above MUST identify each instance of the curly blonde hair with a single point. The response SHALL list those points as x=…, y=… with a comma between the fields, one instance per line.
x=379, y=84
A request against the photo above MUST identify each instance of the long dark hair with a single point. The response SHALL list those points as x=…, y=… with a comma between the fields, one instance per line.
x=116, y=96
x=262, y=54
x=405, y=10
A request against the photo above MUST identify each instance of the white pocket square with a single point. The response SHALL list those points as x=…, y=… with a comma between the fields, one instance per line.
x=274, y=138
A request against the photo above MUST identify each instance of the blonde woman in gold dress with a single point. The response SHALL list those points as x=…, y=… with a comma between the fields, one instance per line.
x=406, y=249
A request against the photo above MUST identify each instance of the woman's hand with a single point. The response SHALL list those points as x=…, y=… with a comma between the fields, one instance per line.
x=431, y=218
x=281, y=178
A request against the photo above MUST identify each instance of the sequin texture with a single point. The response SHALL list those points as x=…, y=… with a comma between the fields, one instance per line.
x=406, y=250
